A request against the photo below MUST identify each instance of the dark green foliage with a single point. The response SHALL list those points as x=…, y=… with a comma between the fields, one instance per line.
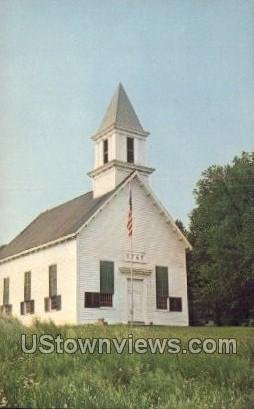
x=221, y=266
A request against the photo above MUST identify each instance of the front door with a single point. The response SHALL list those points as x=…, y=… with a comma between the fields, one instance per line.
x=138, y=300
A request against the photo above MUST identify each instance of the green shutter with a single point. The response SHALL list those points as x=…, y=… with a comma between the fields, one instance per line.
x=162, y=281
x=59, y=302
x=22, y=310
x=52, y=280
x=6, y=291
x=31, y=307
x=46, y=304
x=27, y=286
x=107, y=277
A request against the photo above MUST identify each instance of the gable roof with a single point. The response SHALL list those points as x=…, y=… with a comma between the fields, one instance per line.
x=163, y=211
x=120, y=113
x=54, y=223
x=67, y=220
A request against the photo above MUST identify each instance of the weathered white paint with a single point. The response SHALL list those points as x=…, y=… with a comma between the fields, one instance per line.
x=104, y=182
x=117, y=147
x=117, y=150
x=139, y=299
x=140, y=151
x=109, y=179
x=105, y=238
x=64, y=255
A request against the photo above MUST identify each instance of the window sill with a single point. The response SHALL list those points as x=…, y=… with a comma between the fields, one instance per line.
x=6, y=309
x=107, y=308
x=99, y=308
x=158, y=310
x=27, y=313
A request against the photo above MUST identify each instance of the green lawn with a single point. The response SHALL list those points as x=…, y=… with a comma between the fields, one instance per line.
x=126, y=381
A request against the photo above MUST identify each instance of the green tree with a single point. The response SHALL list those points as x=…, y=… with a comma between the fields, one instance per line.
x=221, y=266
x=181, y=226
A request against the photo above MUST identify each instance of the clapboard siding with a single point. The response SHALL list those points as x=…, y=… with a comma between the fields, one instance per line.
x=105, y=238
x=78, y=265
x=64, y=255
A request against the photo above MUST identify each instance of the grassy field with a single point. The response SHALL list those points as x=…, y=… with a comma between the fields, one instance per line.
x=128, y=380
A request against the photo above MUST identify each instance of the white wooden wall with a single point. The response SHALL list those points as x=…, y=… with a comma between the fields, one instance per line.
x=64, y=255
x=117, y=148
x=105, y=238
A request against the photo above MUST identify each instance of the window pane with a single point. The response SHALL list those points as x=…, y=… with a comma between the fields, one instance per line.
x=6, y=309
x=161, y=302
x=130, y=150
x=175, y=304
x=92, y=300
x=55, y=302
x=105, y=151
x=106, y=300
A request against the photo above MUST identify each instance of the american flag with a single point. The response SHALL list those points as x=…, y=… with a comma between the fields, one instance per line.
x=129, y=223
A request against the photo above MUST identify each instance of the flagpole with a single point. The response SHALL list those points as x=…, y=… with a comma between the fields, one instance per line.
x=131, y=247
x=132, y=303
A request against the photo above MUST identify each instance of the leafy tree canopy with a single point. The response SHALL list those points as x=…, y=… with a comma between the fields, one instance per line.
x=221, y=231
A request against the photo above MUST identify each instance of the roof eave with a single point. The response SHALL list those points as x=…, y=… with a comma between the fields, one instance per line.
x=120, y=164
x=38, y=248
x=114, y=127
x=170, y=220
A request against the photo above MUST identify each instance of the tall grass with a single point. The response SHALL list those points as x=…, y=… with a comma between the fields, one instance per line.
x=125, y=381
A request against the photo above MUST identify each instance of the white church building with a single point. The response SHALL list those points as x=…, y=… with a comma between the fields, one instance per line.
x=74, y=264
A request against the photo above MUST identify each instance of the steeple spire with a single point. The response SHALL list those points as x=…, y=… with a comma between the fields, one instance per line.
x=120, y=145
x=121, y=114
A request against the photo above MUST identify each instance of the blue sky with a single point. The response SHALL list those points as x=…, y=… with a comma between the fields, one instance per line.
x=187, y=66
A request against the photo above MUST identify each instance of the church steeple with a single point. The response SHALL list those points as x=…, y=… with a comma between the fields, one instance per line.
x=121, y=114
x=120, y=144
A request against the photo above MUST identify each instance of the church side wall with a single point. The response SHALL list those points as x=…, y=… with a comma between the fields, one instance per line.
x=105, y=238
x=64, y=255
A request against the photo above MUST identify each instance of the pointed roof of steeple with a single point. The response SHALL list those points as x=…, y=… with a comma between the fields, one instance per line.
x=121, y=114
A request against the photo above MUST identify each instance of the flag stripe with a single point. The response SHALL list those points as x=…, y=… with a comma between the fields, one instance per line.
x=129, y=222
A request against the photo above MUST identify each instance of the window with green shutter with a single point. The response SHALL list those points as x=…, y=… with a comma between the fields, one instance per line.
x=54, y=300
x=161, y=287
x=27, y=286
x=6, y=291
x=105, y=297
x=106, y=277
x=52, y=280
x=27, y=307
